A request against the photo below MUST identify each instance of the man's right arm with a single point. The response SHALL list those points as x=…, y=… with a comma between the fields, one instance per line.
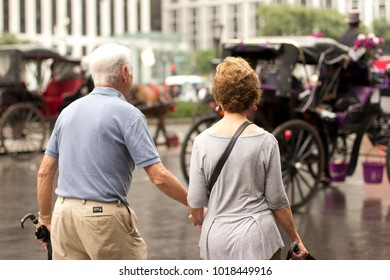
x=45, y=185
x=166, y=182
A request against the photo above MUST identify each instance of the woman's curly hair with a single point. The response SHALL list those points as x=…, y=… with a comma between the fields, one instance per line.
x=236, y=86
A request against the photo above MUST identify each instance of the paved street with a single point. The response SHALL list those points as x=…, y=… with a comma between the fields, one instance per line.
x=348, y=220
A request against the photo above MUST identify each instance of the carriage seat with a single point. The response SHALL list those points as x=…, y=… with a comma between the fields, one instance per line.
x=57, y=90
x=363, y=94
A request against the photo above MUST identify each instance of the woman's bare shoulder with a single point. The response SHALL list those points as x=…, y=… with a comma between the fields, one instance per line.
x=226, y=130
x=253, y=129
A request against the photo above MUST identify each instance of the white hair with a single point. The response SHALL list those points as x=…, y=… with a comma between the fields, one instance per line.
x=106, y=62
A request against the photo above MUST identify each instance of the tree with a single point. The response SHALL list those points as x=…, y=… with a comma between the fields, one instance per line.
x=381, y=28
x=201, y=61
x=8, y=38
x=299, y=20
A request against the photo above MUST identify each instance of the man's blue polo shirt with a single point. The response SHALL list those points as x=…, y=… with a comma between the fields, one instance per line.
x=98, y=140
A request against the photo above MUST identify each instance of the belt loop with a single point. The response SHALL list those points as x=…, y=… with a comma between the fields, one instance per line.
x=118, y=202
x=62, y=199
x=128, y=209
x=83, y=201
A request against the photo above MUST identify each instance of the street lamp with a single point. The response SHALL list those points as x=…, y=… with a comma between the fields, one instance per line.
x=217, y=33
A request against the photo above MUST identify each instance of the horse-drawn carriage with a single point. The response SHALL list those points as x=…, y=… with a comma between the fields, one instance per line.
x=36, y=83
x=318, y=103
x=156, y=102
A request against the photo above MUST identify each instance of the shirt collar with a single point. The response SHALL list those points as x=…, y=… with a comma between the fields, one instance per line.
x=107, y=91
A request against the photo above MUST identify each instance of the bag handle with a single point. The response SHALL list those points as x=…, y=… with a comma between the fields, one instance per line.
x=226, y=154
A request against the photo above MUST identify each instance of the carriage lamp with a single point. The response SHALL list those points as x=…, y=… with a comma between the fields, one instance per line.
x=217, y=33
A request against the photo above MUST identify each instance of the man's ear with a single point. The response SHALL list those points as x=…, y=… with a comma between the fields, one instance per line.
x=124, y=73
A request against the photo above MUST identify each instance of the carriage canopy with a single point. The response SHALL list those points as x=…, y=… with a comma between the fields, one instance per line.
x=285, y=53
x=15, y=58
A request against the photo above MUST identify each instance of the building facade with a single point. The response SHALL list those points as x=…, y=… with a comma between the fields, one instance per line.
x=159, y=32
x=76, y=27
x=239, y=19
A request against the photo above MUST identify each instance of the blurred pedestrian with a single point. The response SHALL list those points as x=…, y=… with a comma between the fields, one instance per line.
x=248, y=196
x=349, y=36
x=97, y=142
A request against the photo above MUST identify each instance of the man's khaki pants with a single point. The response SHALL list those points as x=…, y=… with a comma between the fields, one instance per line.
x=85, y=229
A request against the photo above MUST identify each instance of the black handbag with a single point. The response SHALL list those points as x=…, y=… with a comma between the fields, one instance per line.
x=225, y=155
x=294, y=249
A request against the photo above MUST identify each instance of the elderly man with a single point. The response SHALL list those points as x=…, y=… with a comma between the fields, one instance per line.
x=96, y=144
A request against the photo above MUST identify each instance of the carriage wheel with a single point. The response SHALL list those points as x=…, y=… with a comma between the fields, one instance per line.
x=302, y=159
x=23, y=131
x=186, y=149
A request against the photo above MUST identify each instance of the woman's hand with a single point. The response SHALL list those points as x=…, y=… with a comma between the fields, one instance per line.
x=197, y=216
x=302, y=252
x=191, y=218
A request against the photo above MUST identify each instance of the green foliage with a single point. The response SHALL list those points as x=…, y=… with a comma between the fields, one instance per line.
x=189, y=109
x=201, y=109
x=299, y=20
x=8, y=38
x=201, y=62
x=382, y=29
x=184, y=109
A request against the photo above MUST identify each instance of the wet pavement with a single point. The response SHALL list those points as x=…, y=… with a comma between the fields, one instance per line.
x=348, y=221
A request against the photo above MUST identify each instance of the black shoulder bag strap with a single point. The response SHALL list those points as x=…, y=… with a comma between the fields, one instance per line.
x=226, y=154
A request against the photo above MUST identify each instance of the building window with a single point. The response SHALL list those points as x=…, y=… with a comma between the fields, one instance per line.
x=235, y=19
x=214, y=12
x=112, y=17
x=215, y=17
x=54, y=14
x=355, y=4
x=22, y=12
x=83, y=17
x=6, y=15
x=84, y=50
x=155, y=12
x=139, y=17
x=256, y=20
x=38, y=16
x=382, y=9
x=174, y=20
x=98, y=23
x=126, y=18
x=194, y=29
x=69, y=15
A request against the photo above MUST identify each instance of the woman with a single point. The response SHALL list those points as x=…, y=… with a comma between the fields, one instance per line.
x=248, y=195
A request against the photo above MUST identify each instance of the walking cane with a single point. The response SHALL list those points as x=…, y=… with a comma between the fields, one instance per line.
x=41, y=232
